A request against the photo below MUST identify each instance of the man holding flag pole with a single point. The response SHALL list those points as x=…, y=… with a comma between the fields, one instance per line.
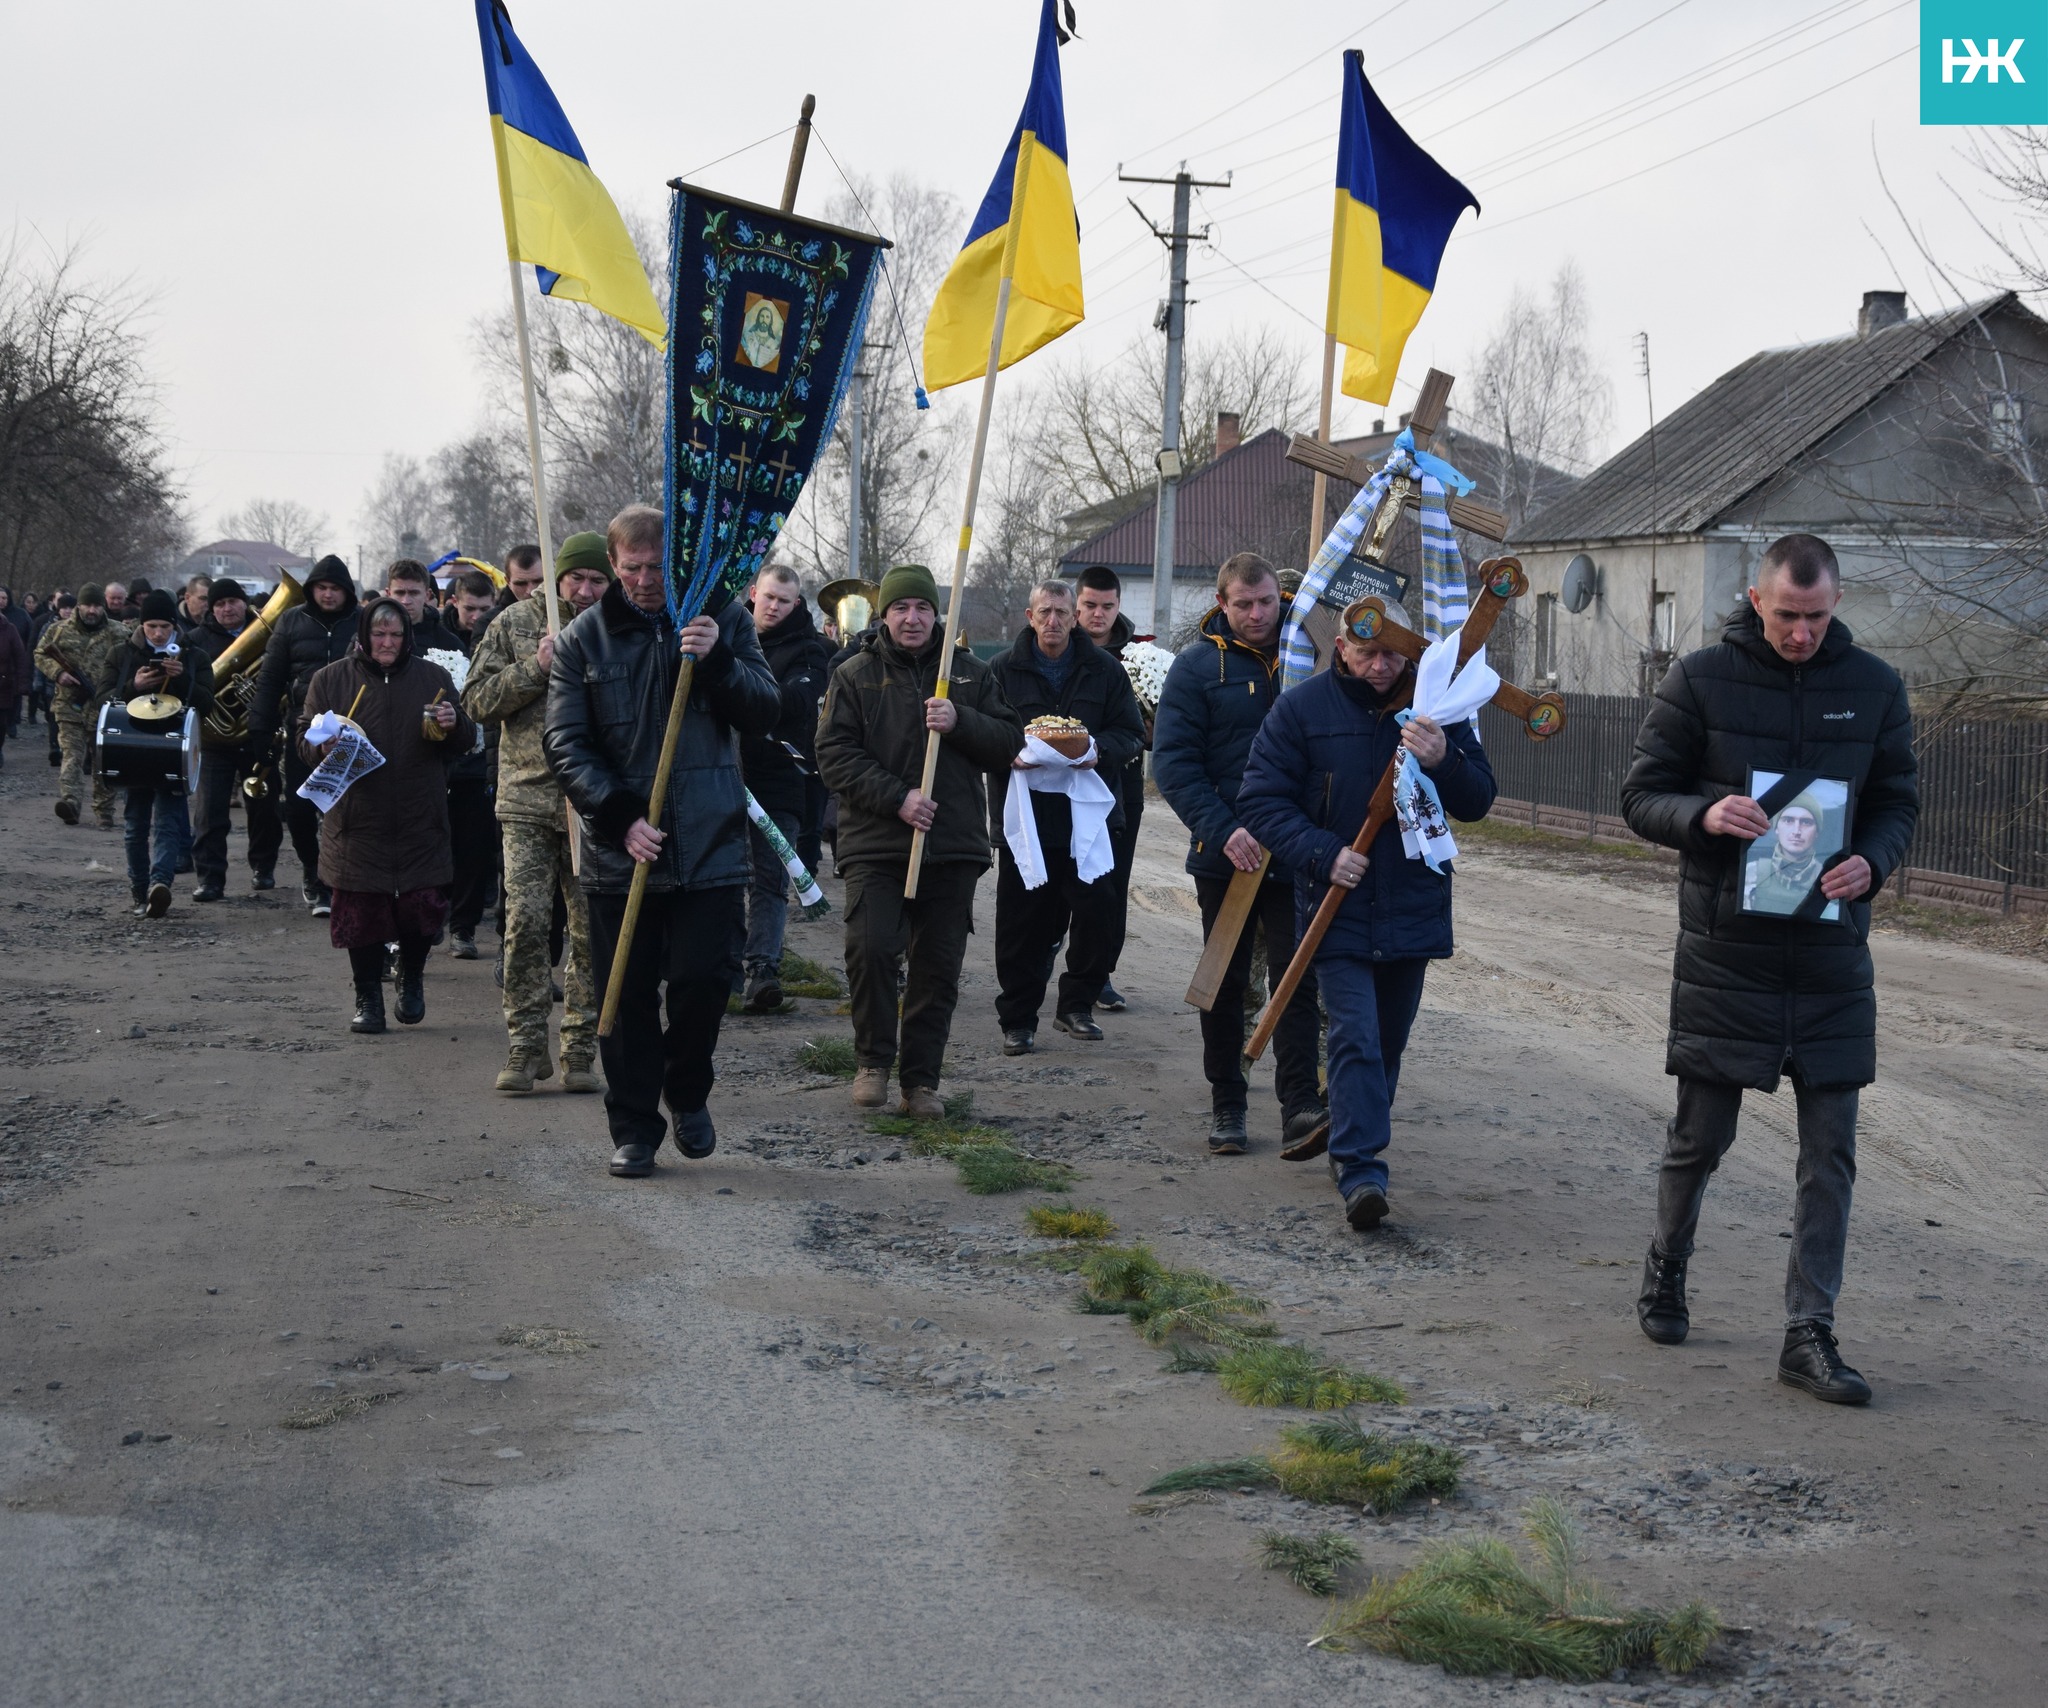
x=1014, y=287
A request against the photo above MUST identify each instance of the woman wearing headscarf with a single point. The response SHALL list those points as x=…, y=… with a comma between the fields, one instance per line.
x=384, y=845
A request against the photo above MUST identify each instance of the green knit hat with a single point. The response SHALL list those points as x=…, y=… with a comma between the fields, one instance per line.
x=907, y=581
x=583, y=551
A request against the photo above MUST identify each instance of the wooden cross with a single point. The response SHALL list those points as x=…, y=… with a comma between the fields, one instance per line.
x=1501, y=579
x=1320, y=626
x=784, y=469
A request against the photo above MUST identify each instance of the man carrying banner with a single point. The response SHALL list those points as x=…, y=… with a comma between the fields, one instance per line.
x=878, y=713
x=609, y=689
x=1217, y=695
x=508, y=690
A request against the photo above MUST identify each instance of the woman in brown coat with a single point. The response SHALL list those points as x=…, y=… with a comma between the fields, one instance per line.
x=384, y=847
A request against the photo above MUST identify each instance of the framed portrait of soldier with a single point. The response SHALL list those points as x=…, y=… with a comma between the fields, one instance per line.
x=1809, y=834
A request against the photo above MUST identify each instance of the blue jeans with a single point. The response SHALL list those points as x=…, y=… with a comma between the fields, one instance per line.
x=767, y=899
x=1371, y=1005
x=154, y=859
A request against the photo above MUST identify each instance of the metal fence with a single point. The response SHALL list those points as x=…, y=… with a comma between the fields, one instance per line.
x=1983, y=783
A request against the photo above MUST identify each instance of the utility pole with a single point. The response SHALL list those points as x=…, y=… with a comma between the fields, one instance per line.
x=1172, y=320
x=853, y=472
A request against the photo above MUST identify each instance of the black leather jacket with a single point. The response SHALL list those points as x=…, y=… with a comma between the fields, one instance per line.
x=608, y=698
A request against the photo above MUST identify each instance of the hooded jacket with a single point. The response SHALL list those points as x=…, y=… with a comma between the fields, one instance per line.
x=193, y=684
x=1752, y=993
x=305, y=639
x=389, y=833
x=1308, y=786
x=609, y=692
x=871, y=745
x=1217, y=694
x=801, y=661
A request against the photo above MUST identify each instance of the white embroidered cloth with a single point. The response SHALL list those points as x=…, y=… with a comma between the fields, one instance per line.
x=1090, y=797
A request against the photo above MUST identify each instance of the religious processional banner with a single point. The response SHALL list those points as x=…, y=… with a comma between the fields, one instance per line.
x=766, y=315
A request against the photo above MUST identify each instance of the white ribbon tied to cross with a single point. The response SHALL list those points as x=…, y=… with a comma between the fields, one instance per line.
x=1448, y=696
x=1052, y=772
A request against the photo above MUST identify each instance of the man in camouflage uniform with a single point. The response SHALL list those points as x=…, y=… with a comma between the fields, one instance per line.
x=78, y=656
x=508, y=687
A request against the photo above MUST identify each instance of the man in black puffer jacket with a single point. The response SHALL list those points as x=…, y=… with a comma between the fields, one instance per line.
x=1755, y=995
x=778, y=768
x=609, y=691
x=1054, y=670
x=307, y=638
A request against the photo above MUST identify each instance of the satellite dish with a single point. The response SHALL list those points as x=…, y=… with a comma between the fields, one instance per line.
x=1581, y=584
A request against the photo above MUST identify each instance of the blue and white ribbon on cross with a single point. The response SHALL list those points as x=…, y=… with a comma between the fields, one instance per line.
x=1444, y=598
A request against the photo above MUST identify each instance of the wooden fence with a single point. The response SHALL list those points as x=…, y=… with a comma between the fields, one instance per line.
x=1982, y=839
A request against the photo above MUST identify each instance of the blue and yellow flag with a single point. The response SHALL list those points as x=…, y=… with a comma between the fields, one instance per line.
x=557, y=214
x=1025, y=230
x=1395, y=210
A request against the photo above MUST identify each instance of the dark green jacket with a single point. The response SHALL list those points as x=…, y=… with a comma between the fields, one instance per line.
x=871, y=743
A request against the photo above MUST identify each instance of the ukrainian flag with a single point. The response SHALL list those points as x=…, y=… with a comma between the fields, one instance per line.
x=1395, y=210
x=557, y=214
x=1025, y=231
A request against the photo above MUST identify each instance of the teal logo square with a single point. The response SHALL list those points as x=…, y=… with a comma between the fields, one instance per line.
x=1983, y=62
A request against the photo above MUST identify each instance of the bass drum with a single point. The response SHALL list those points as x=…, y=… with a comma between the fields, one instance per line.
x=132, y=754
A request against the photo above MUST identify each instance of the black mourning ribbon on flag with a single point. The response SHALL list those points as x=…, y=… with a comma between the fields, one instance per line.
x=1780, y=795
x=1068, y=30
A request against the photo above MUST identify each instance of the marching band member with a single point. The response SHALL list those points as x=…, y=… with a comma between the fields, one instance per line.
x=223, y=770
x=159, y=824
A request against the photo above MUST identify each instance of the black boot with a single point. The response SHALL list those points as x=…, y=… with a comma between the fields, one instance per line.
x=1661, y=1308
x=412, y=984
x=1812, y=1361
x=364, y=965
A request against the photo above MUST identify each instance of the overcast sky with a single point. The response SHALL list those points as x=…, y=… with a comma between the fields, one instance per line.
x=308, y=190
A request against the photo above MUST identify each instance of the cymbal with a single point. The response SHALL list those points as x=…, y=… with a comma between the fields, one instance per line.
x=155, y=708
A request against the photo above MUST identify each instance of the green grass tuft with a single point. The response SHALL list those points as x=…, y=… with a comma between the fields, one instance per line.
x=1066, y=1221
x=1215, y=1474
x=1312, y=1562
x=1477, y=1607
x=835, y=1056
x=1273, y=1374
x=802, y=976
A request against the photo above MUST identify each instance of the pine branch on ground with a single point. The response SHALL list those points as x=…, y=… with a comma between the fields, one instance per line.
x=1312, y=1562
x=802, y=976
x=834, y=1056
x=1477, y=1607
x=1069, y=1221
x=1169, y=1304
x=987, y=1169
x=1283, y=1374
x=1214, y=1474
x=1333, y=1461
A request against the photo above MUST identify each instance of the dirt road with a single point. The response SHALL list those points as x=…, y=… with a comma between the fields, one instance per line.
x=808, y=1423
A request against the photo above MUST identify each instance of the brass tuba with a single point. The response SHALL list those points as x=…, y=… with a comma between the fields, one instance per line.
x=850, y=604
x=234, y=672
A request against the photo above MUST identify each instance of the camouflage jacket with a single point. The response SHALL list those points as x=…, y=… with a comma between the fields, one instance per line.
x=89, y=653
x=508, y=689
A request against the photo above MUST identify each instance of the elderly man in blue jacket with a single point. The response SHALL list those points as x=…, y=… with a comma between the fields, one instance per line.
x=1308, y=786
x=1221, y=686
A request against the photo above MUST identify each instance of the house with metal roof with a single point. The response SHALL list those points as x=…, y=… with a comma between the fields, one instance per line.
x=1907, y=443
x=1250, y=498
x=256, y=564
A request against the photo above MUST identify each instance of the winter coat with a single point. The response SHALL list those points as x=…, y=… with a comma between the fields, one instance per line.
x=305, y=639
x=89, y=654
x=474, y=764
x=1094, y=690
x=1752, y=993
x=389, y=833
x=16, y=673
x=871, y=744
x=193, y=684
x=614, y=676
x=1217, y=694
x=1307, y=788
x=507, y=692
x=801, y=660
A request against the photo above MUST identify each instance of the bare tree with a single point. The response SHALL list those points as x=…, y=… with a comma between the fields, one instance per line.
x=84, y=479
x=1098, y=433
x=400, y=516
x=909, y=456
x=484, y=493
x=279, y=521
x=1537, y=396
x=1016, y=537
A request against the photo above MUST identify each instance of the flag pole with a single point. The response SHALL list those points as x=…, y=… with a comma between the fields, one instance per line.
x=958, y=598
x=657, y=796
x=1318, y=507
